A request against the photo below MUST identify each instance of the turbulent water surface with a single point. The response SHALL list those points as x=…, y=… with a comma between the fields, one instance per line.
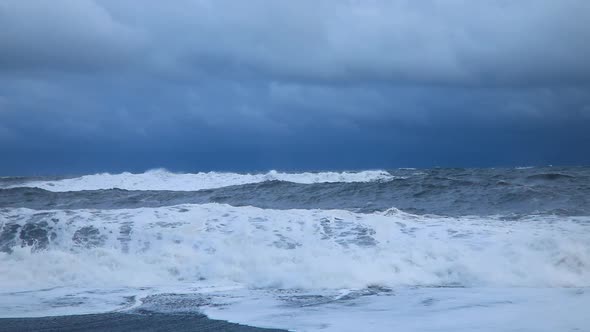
x=407, y=249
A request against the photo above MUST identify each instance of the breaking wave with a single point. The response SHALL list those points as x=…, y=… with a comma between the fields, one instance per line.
x=309, y=249
x=160, y=179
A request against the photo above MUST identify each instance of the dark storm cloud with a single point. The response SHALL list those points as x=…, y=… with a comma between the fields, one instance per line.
x=307, y=84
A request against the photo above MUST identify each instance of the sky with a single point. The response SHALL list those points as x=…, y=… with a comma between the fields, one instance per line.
x=197, y=85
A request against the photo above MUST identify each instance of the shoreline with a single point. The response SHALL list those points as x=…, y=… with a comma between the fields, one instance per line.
x=126, y=321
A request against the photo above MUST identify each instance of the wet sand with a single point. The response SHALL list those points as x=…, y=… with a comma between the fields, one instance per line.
x=120, y=322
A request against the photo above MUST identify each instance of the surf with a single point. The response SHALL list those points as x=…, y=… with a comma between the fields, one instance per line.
x=161, y=179
x=307, y=249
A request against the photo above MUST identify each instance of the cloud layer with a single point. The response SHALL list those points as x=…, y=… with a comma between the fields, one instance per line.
x=287, y=84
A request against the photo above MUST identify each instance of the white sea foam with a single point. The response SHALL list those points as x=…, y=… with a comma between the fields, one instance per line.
x=308, y=249
x=410, y=310
x=301, y=269
x=160, y=179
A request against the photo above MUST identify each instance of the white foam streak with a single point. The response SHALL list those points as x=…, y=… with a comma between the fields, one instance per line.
x=163, y=180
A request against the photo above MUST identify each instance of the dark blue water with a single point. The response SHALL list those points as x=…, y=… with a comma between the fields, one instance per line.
x=449, y=192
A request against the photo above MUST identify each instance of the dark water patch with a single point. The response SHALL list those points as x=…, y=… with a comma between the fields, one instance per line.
x=125, y=235
x=296, y=298
x=428, y=302
x=10, y=181
x=174, y=303
x=8, y=237
x=550, y=176
x=89, y=237
x=35, y=235
x=305, y=300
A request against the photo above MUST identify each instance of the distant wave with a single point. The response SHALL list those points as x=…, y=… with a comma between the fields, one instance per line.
x=160, y=179
x=450, y=192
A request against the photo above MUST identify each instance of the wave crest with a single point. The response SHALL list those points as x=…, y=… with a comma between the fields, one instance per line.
x=161, y=179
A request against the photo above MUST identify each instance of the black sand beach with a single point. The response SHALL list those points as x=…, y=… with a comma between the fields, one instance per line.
x=116, y=322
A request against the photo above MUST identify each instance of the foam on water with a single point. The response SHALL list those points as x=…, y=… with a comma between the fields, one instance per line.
x=409, y=309
x=287, y=249
x=160, y=179
x=308, y=270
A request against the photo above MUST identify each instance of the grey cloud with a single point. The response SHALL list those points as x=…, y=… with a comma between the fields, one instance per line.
x=457, y=41
x=63, y=35
x=441, y=42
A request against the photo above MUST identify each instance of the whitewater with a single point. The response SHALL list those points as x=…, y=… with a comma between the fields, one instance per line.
x=413, y=250
x=160, y=179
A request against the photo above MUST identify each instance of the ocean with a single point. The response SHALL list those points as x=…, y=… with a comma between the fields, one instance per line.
x=504, y=249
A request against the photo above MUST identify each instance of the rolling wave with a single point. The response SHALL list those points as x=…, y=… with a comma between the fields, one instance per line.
x=163, y=180
x=450, y=192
